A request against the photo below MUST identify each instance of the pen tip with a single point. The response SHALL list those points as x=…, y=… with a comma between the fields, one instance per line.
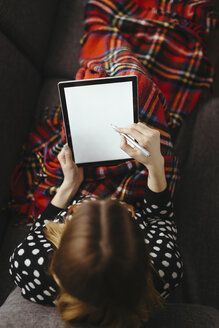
x=114, y=126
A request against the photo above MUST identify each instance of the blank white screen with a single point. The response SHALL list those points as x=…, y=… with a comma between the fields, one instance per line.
x=91, y=110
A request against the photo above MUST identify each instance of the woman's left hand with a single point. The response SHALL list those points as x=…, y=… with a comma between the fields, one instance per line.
x=73, y=175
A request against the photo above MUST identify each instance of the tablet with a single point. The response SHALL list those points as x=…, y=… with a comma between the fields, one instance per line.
x=89, y=108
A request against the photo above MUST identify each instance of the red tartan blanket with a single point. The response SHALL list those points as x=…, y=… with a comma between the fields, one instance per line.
x=163, y=43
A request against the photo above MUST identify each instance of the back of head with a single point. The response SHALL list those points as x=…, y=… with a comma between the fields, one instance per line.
x=103, y=267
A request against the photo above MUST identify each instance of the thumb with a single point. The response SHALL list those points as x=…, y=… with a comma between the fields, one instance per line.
x=61, y=156
x=67, y=152
x=65, y=155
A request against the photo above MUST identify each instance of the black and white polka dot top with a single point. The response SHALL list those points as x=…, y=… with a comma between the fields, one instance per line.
x=30, y=260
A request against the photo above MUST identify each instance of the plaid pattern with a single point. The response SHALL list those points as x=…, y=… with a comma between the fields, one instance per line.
x=166, y=37
x=163, y=43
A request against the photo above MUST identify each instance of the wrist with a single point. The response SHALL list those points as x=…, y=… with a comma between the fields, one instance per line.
x=156, y=177
x=67, y=186
x=157, y=166
x=68, y=190
x=64, y=195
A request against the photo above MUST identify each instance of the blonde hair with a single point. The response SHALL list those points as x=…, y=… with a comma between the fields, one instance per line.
x=86, y=264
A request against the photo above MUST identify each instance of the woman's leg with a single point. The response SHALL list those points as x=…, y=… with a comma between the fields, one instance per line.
x=163, y=46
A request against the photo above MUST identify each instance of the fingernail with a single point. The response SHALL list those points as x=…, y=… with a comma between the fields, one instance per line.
x=66, y=147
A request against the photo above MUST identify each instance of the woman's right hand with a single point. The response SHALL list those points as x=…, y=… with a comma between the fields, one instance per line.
x=147, y=138
x=150, y=140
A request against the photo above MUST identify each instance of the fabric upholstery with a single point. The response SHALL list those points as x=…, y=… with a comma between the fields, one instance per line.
x=62, y=58
x=12, y=237
x=20, y=86
x=185, y=316
x=197, y=203
x=49, y=97
x=27, y=314
x=30, y=31
x=28, y=26
x=20, y=313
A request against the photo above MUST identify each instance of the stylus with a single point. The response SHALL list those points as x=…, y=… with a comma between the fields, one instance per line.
x=132, y=141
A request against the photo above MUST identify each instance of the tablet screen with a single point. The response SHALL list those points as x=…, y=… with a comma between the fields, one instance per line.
x=89, y=109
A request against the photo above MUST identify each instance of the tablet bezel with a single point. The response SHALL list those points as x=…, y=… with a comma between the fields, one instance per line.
x=66, y=84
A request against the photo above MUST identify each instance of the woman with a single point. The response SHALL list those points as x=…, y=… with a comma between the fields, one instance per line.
x=163, y=43
x=103, y=262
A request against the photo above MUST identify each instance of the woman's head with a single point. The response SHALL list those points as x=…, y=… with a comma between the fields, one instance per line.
x=102, y=266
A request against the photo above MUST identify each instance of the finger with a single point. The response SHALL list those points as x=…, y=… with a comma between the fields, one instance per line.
x=142, y=127
x=65, y=155
x=61, y=156
x=127, y=148
x=68, y=153
x=133, y=132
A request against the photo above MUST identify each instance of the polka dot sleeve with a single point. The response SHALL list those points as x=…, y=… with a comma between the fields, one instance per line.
x=29, y=263
x=156, y=219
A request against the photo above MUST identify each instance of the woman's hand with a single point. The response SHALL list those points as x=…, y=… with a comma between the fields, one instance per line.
x=150, y=140
x=147, y=138
x=73, y=177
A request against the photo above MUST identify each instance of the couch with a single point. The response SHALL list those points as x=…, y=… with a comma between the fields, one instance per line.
x=39, y=46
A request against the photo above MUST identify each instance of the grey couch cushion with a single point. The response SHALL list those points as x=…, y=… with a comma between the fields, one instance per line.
x=28, y=25
x=12, y=237
x=185, y=316
x=197, y=209
x=49, y=97
x=62, y=58
x=20, y=313
x=19, y=89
